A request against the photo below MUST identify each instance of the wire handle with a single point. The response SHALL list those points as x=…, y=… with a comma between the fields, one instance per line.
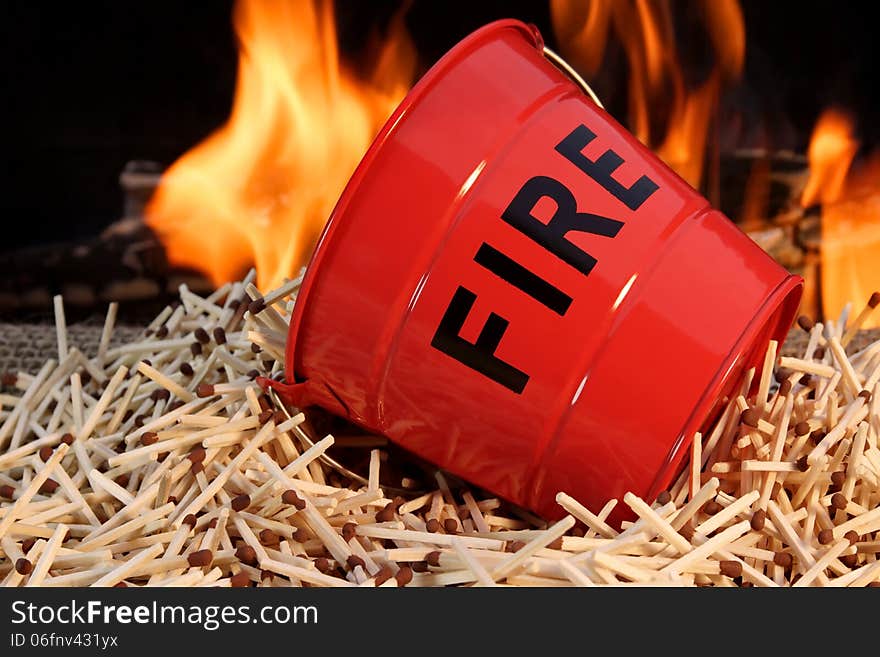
x=566, y=68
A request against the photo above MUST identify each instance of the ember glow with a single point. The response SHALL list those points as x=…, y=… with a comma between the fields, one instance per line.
x=656, y=81
x=850, y=198
x=258, y=191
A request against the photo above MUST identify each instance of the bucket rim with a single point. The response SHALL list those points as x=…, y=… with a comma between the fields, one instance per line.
x=780, y=307
x=419, y=89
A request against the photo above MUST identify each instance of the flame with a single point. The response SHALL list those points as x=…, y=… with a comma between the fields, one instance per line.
x=850, y=198
x=259, y=190
x=645, y=29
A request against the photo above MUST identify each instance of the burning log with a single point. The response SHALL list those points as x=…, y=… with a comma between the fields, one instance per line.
x=156, y=484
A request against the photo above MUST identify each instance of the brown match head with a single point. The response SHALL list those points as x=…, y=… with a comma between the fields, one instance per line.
x=213, y=523
x=555, y=544
x=750, y=417
x=433, y=525
x=196, y=467
x=291, y=497
x=255, y=348
x=874, y=301
x=849, y=560
x=27, y=544
x=190, y=519
x=186, y=369
x=240, y=580
x=219, y=335
x=802, y=464
x=349, y=530
x=139, y=421
x=838, y=478
x=874, y=585
x=162, y=332
x=775, y=490
x=300, y=535
x=825, y=537
x=195, y=349
x=67, y=439
x=731, y=568
x=268, y=537
x=205, y=390
x=323, y=565
x=513, y=546
x=49, y=486
x=852, y=536
x=253, y=374
x=200, y=558
x=433, y=558
x=420, y=566
x=197, y=455
x=665, y=497
x=160, y=394
x=240, y=502
x=450, y=525
x=819, y=353
x=785, y=388
x=265, y=416
x=279, y=417
x=404, y=576
x=46, y=453
x=711, y=507
x=866, y=395
x=201, y=335
x=23, y=566
x=257, y=306
x=838, y=501
x=687, y=530
x=384, y=575
x=123, y=479
x=806, y=380
x=9, y=379
x=806, y=323
x=386, y=514
x=7, y=491
x=246, y=554
x=172, y=498
x=120, y=585
x=801, y=428
x=354, y=561
x=149, y=438
x=783, y=559
x=759, y=517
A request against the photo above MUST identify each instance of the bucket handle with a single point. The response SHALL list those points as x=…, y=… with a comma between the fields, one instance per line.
x=566, y=68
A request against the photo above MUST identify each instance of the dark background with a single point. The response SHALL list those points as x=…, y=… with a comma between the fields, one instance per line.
x=89, y=86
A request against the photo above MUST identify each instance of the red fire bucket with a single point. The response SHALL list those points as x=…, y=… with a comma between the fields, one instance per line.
x=514, y=288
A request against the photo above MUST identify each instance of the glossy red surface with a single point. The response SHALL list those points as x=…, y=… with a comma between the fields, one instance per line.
x=678, y=304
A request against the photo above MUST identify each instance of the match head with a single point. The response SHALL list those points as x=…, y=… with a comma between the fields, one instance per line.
x=23, y=566
x=268, y=537
x=731, y=568
x=200, y=558
x=219, y=335
x=433, y=525
x=759, y=517
x=241, y=502
x=806, y=323
x=349, y=530
x=354, y=561
x=387, y=513
x=404, y=576
x=874, y=301
x=838, y=501
x=7, y=491
x=240, y=580
x=67, y=439
x=783, y=559
x=384, y=575
x=257, y=306
x=290, y=496
x=785, y=388
x=825, y=537
x=665, y=497
x=450, y=525
x=852, y=536
x=201, y=335
x=205, y=390
x=149, y=438
x=750, y=417
x=247, y=555
x=801, y=428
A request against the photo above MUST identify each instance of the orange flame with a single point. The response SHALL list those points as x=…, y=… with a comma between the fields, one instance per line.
x=850, y=199
x=645, y=29
x=259, y=190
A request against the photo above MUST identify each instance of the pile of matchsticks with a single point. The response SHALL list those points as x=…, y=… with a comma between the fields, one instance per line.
x=162, y=463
